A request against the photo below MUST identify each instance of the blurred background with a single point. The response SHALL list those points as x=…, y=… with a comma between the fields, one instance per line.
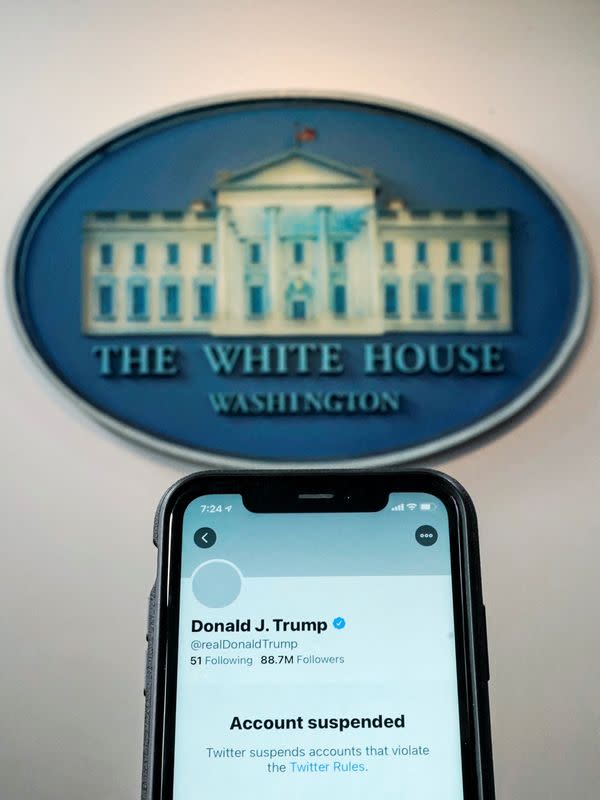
x=77, y=560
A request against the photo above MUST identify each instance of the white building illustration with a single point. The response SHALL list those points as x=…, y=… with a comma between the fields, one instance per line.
x=296, y=245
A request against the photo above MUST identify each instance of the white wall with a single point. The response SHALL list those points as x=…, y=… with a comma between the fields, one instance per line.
x=77, y=559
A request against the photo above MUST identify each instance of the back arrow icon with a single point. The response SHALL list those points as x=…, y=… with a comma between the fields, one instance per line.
x=205, y=537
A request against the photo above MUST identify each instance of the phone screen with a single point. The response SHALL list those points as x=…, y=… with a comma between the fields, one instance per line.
x=316, y=654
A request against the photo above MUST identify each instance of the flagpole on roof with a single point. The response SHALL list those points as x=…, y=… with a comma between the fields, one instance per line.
x=303, y=134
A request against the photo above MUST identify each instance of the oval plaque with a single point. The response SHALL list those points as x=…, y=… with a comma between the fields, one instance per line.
x=300, y=279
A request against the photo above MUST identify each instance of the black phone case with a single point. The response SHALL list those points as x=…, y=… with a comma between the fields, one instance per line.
x=475, y=633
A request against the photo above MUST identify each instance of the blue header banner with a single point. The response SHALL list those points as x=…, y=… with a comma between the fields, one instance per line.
x=299, y=280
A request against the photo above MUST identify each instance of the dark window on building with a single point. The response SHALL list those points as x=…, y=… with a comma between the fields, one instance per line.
x=299, y=309
x=139, y=301
x=389, y=252
x=255, y=253
x=423, y=299
x=456, y=299
x=454, y=252
x=298, y=252
x=489, y=299
x=206, y=253
x=421, y=252
x=339, y=300
x=205, y=300
x=391, y=300
x=256, y=301
x=106, y=255
x=487, y=252
x=339, y=252
x=171, y=300
x=105, y=301
x=173, y=253
x=139, y=254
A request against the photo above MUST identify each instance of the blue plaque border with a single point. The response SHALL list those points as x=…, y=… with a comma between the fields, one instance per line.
x=68, y=172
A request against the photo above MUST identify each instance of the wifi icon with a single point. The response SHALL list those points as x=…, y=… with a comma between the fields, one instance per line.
x=411, y=506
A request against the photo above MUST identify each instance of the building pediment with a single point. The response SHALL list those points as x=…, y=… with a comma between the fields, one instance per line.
x=297, y=168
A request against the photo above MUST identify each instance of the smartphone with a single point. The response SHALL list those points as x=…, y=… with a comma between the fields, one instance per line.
x=317, y=635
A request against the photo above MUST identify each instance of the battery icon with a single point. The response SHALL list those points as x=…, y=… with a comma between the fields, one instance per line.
x=426, y=506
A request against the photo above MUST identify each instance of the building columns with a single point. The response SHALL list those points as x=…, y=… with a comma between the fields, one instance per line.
x=222, y=305
x=322, y=277
x=275, y=287
x=375, y=304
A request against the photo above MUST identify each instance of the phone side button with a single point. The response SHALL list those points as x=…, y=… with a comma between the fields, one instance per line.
x=485, y=659
x=145, y=673
x=147, y=670
x=151, y=611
